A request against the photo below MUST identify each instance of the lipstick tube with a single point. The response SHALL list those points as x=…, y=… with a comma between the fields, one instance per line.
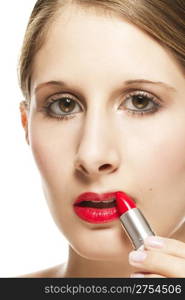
x=132, y=220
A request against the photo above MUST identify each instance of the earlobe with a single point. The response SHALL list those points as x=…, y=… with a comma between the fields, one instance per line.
x=24, y=118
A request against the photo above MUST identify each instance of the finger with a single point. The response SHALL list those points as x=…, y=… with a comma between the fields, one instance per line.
x=156, y=262
x=146, y=275
x=166, y=245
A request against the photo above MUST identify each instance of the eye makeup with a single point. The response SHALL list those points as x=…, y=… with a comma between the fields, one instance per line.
x=139, y=97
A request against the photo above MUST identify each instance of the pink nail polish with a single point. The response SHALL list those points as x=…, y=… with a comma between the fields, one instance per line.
x=137, y=275
x=137, y=256
x=155, y=242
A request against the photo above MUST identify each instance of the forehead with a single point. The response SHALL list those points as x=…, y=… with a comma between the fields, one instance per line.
x=84, y=44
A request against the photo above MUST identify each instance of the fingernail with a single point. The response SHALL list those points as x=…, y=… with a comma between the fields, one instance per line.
x=137, y=275
x=137, y=256
x=154, y=241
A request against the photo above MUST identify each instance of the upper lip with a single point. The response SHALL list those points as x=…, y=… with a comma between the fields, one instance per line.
x=90, y=196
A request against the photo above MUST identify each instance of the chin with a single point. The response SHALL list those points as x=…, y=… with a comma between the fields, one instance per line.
x=100, y=252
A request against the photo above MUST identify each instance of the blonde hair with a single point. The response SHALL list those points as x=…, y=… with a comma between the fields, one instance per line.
x=163, y=20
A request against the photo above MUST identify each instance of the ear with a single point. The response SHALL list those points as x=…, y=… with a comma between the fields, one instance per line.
x=23, y=106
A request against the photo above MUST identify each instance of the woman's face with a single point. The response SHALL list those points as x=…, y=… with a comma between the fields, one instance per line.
x=125, y=129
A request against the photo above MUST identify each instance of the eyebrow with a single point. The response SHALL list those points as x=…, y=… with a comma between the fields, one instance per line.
x=128, y=82
x=45, y=84
x=162, y=84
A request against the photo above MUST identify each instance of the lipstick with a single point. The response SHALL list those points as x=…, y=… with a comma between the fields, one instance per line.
x=132, y=220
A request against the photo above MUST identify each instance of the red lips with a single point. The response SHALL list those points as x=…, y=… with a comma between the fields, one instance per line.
x=101, y=208
x=96, y=197
x=98, y=211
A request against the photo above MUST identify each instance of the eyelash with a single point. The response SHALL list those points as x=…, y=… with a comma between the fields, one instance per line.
x=135, y=113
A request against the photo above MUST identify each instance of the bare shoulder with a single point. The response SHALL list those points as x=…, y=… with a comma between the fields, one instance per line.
x=52, y=272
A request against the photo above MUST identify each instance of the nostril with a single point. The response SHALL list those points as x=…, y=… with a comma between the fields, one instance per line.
x=105, y=166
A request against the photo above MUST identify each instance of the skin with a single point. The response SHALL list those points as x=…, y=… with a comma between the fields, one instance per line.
x=105, y=148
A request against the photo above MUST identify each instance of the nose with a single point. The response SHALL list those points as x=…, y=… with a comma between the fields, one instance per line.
x=97, y=152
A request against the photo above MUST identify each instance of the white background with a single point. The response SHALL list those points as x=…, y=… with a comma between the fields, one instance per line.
x=29, y=238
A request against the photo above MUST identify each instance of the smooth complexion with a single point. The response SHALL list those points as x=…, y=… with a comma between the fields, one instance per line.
x=103, y=146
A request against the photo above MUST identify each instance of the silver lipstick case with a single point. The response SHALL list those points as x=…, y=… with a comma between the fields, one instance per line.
x=136, y=226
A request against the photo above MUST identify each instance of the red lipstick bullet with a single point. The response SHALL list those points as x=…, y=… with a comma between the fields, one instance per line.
x=132, y=220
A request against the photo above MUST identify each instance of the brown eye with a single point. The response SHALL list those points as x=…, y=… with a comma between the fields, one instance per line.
x=66, y=105
x=63, y=106
x=140, y=101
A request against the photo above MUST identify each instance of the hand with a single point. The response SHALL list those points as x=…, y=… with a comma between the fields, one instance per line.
x=161, y=257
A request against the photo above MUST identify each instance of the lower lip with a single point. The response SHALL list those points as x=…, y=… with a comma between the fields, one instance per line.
x=96, y=215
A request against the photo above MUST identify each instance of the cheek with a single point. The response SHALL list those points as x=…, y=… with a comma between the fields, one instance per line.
x=159, y=155
x=53, y=151
x=52, y=148
x=157, y=162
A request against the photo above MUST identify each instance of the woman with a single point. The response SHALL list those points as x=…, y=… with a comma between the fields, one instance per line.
x=104, y=111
